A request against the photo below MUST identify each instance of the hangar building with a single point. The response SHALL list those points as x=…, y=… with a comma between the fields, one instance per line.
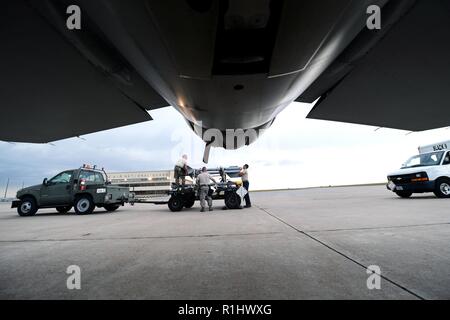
x=145, y=184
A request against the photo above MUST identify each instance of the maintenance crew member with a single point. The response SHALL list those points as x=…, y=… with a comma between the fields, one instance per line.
x=244, y=176
x=180, y=170
x=203, y=180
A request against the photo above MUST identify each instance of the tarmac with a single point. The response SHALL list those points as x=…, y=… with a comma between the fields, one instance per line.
x=298, y=244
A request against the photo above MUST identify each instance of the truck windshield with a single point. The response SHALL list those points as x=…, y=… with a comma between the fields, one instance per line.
x=424, y=160
x=63, y=177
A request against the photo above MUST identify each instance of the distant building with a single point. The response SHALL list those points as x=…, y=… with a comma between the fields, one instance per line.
x=145, y=184
x=156, y=184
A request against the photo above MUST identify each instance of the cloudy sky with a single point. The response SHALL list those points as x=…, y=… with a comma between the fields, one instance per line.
x=294, y=152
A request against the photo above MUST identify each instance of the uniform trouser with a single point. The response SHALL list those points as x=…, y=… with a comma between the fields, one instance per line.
x=204, y=194
x=246, y=185
x=179, y=173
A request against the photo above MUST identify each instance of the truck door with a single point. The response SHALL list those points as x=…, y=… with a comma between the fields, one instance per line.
x=93, y=182
x=446, y=165
x=58, y=190
x=446, y=160
x=91, y=178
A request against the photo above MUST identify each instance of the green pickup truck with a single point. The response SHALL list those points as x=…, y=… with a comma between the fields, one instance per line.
x=84, y=189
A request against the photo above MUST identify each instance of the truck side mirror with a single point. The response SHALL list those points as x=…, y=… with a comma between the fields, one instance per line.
x=44, y=182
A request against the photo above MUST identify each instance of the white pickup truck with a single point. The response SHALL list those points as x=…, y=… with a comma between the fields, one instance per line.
x=429, y=171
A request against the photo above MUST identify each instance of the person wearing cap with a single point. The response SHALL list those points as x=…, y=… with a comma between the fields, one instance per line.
x=245, y=183
x=203, y=180
x=180, y=170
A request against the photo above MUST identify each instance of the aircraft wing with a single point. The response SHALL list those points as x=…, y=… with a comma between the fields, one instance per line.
x=57, y=83
x=397, y=77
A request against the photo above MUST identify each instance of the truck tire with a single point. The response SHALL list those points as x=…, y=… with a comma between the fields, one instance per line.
x=442, y=188
x=176, y=203
x=404, y=194
x=84, y=204
x=27, y=207
x=111, y=207
x=63, y=209
x=232, y=200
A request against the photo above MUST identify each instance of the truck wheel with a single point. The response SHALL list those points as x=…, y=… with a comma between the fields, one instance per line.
x=442, y=188
x=84, y=205
x=232, y=200
x=404, y=194
x=63, y=209
x=175, y=203
x=27, y=207
x=189, y=203
x=111, y=207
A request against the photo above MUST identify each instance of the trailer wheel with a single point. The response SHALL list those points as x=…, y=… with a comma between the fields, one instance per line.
x=27, y=207
x=175, y=203
x=232, y=200
x=63, y=209
x=404, y=194
x=442, y=188
x=111, y=207
x=84, y=204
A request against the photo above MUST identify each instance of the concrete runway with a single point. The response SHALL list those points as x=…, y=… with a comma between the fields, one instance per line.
x=302, y=244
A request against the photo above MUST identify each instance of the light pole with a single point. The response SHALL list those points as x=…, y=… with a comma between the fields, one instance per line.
x=6, y=190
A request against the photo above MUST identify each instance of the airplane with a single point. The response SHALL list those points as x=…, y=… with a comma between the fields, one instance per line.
x=223, y=64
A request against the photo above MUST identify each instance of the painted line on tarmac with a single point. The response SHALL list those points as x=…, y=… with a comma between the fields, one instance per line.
x=340, y=253
x=382, y=227
x=143, y=238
